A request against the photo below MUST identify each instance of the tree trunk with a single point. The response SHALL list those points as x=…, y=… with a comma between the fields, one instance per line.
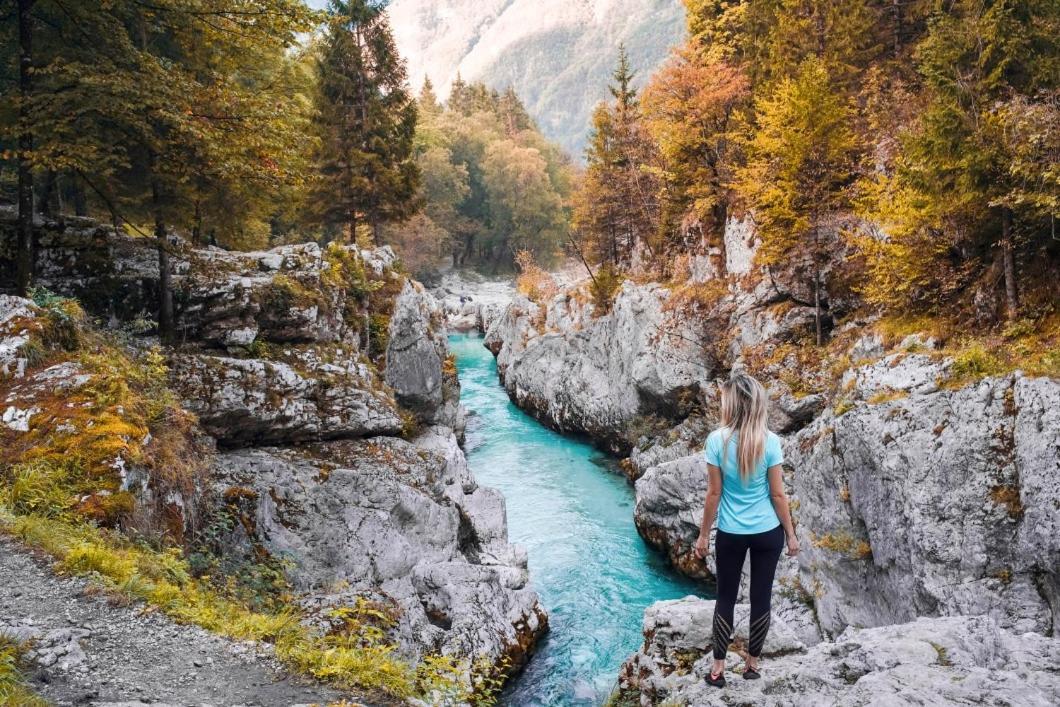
x=817, y=288
x=80, y=203
x=1011, y=298
x=196, y=229
x=353, y=226
x=48, y=193
x=24, y=257
x=165, y=289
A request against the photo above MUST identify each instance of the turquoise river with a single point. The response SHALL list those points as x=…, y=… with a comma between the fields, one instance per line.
x=574, y=515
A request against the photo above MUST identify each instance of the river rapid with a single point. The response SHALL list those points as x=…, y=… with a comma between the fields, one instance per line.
x=574, y=515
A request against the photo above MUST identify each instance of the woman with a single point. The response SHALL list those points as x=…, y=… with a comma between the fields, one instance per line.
x=746, y=493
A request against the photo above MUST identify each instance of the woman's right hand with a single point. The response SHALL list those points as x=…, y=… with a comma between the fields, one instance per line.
x=702, y=547
x=793, y=546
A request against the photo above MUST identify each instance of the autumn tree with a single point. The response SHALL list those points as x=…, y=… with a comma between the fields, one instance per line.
x=147, y=106
x=798, y=167
x=366, y=121
x=691, y=107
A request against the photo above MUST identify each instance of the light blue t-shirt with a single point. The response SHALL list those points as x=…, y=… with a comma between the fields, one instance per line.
x=745, y=508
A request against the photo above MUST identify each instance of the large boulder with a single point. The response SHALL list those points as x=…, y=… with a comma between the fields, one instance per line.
x=398, y=522
x=954, y=660
x=926, y=501
x=417, y=358
x=252, y=401
x=669, y=511
x=600, y=374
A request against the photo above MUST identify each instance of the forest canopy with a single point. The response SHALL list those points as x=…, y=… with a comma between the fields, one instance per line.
x=898, y=155
x=904, y=155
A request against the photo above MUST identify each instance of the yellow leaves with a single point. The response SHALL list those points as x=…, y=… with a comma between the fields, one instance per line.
x=799, y=159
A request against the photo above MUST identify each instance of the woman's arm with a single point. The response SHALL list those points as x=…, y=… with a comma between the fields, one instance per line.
x=780, y=503
x=710, y=510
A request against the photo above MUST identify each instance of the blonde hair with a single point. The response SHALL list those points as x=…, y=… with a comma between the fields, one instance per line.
x=744, y=411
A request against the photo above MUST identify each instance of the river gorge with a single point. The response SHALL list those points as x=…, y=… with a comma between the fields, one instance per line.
x=573, y=512
x=428, y=467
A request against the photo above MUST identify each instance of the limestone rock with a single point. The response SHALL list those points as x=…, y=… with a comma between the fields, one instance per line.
x=398, y=521
x=254, y=401
x=416, y=350
x=956, y=660
x=936, y=503
x=470, y=302
x=598, y=375
x=684, y=439
x=15, y=314
x=669, y=510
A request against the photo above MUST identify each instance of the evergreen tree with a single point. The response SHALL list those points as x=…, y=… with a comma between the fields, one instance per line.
x=973, y=60
x=617, y=207
x=799, y=164
x=366, y=122
x=428, y=101
x=512, y=112
x=136, y=101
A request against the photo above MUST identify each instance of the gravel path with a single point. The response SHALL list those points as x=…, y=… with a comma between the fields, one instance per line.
x=88, y=652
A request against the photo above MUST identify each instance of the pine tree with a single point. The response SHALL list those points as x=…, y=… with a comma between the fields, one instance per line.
x=512, y=112
x=617, y=209
x=973, y=60
x=799, y=164
x=366, y=122
x=428, y=99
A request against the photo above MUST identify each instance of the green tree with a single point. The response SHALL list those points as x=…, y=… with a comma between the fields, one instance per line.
x=141, y=101
x=526, y=213
x=366, y=120
x=799, y=164
x=982, y=55
x=617, y=207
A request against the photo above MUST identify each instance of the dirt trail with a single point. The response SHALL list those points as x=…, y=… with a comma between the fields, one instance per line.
x=88, y=652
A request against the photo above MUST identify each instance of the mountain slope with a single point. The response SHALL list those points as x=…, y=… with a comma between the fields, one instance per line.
x=558, y=54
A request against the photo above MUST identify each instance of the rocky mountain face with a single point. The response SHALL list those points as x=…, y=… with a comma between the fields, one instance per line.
x=923, y=504
x=557, y=55
x=323, y=379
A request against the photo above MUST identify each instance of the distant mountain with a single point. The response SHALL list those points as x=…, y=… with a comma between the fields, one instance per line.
x=558, y=54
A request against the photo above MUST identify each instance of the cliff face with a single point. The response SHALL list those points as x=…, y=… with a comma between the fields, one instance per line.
x=557, y=55
x=916, y=493
x=322, y=377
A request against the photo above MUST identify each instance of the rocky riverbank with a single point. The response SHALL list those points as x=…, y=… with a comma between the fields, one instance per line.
x=953, y=660
x=327, y=411
x=921, y=492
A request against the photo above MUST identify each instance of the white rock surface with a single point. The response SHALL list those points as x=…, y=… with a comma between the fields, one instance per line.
x=597, y=375
x=253, y=401
x=402, y=522
x=955, y=660
x=14, y=313
x=937, y=503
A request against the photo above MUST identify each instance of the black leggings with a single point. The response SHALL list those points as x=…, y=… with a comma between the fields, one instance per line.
x=730, y=551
